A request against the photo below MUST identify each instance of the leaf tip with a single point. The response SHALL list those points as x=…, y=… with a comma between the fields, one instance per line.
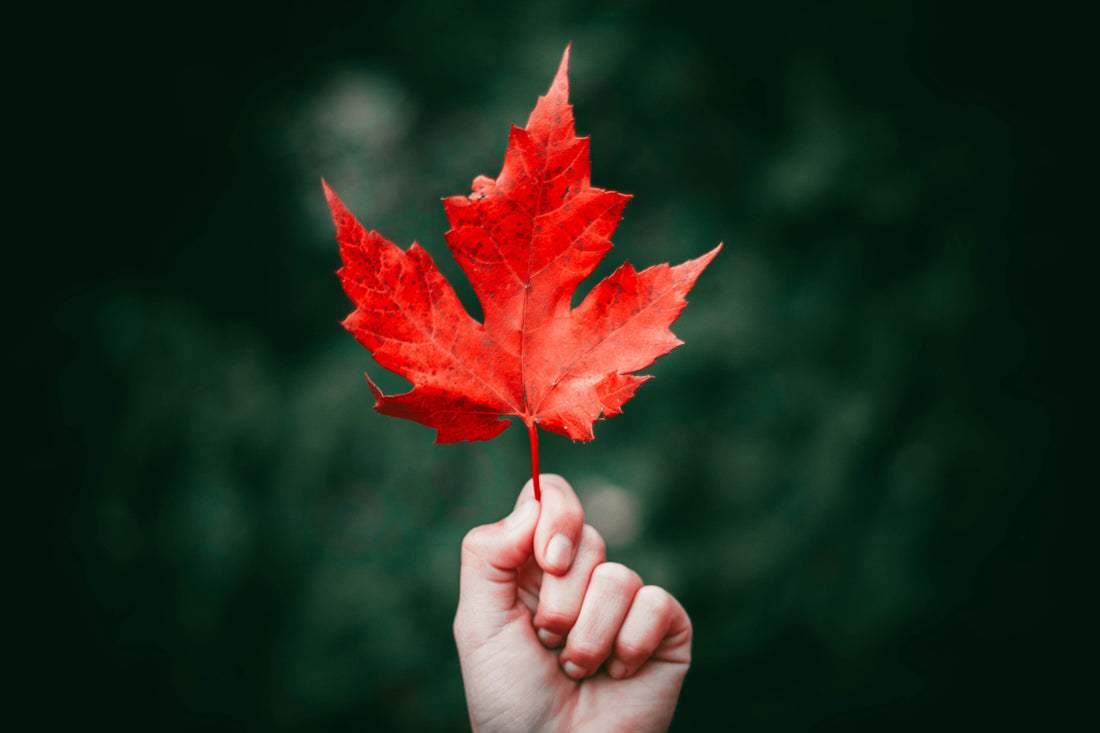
x=335, y=205
x=693, y=268
x=561, y=79
x=378, y=396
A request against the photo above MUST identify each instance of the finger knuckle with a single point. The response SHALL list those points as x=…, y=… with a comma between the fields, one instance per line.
x=472, y=541
x=559, y=621
x=614, y=573
x=590, y=538
x=587, y=652
x=654, y=597
x=631, y=652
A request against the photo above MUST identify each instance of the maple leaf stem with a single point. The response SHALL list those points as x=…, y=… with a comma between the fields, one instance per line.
x=532, y=430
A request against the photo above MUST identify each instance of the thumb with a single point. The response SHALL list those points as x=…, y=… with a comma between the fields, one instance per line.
x=491, y=554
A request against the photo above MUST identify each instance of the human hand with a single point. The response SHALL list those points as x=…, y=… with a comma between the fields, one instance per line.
x=537, y=579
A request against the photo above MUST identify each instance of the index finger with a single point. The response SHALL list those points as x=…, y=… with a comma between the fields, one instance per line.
x=561, y=522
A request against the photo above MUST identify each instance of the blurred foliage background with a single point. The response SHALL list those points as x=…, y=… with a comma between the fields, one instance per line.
x=847, y=473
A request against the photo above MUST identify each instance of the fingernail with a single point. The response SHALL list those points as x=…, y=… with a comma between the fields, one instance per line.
x=573, y=670
x=521, y=514
x=616, y=669
x=559, y=552
x=549, y=638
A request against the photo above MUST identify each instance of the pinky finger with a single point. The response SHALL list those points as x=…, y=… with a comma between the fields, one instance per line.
x=657, y=628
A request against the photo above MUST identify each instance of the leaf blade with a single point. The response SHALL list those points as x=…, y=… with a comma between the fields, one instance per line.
x=526, y=240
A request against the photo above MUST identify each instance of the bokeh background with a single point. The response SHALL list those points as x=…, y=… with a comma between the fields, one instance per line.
x=847, y=474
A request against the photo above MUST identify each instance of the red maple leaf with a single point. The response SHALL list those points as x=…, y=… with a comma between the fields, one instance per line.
x=525, y=240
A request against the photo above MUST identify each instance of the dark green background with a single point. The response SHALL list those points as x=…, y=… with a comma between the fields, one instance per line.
x=848, y=474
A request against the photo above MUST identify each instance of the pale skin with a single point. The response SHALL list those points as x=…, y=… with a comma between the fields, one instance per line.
x=551, y=637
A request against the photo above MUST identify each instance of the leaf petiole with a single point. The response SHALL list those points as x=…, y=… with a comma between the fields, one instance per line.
x=532, y=430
